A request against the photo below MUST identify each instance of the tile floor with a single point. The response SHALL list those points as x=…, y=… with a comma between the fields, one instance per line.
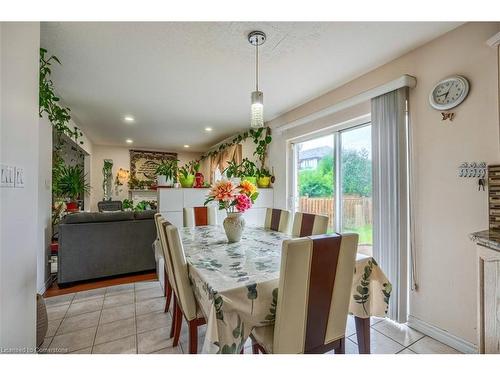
x=129, y=318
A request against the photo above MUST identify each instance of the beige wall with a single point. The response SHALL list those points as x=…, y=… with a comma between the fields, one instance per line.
x=121, y=159
x=447, y=208
x=19, y=142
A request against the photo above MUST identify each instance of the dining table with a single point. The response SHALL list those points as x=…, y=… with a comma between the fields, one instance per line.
x=236, y=285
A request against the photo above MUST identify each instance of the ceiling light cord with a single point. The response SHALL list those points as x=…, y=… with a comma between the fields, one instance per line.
x=257, y=67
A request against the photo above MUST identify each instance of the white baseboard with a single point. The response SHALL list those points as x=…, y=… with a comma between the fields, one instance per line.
x=441, y=335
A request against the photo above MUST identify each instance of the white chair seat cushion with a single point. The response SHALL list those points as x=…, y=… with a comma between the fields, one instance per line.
x=264, y=336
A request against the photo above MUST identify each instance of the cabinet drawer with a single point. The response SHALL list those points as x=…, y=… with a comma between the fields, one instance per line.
x=170, y=200
x=174, y=217
x=194, y=197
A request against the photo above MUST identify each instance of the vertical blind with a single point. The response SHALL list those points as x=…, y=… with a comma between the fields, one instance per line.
x=390, y=194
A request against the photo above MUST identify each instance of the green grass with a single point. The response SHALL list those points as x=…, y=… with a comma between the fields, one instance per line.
x=365, y=234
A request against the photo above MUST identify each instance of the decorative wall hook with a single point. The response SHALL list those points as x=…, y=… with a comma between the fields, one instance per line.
x=447, y=116
x=472, y=169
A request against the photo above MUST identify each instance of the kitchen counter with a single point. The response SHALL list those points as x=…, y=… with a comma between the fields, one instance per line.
x=487, y=238
x=488, y=287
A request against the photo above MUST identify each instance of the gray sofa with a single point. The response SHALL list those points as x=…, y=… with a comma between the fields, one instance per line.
x=101, y=244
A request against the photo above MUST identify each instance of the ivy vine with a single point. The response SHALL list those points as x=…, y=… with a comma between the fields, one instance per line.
x=49, y=102
x=261, y=137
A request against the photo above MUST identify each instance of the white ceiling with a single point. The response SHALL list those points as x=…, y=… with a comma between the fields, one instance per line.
x=176, y=78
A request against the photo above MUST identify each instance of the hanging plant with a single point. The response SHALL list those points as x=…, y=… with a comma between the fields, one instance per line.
x=48, y=101
x=107, y=180
x=261, y=137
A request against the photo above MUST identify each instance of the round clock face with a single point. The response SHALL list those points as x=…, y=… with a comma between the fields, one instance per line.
x=449, y=93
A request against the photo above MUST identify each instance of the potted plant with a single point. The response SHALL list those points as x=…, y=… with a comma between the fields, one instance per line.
x=71, y=185
x=127, y=205
x=187, y=174
x=233, y=172
x=166, y=172
x=199, y=179
x=263, y=177
x=248, y=171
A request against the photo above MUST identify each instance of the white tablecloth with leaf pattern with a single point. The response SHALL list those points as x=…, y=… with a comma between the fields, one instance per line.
x=236, y=284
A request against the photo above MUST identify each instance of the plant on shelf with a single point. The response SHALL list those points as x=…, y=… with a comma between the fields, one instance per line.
x=232, y=170
x=166, y=172
x=187, y=173
x=145, y=205
x=71, y=185
x=127, y=205
x=263, y=177
x=248, y=171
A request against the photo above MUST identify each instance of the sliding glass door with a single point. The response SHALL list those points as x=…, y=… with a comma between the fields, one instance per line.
x=315, y=177
x=356, y=182
x=333, y=176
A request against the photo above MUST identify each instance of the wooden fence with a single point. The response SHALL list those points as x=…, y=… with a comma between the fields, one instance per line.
x=357, y=211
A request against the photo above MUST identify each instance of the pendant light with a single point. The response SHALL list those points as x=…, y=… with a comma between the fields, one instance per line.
x=257, y=38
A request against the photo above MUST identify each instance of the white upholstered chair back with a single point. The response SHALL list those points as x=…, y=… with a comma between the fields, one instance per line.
x=162, y=223
x=196, y=216
x=179, y=266
x=307, y=316
x=309, y=224
x=277, y=220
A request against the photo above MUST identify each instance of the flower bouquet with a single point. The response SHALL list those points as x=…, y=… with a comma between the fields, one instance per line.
x=235, y=199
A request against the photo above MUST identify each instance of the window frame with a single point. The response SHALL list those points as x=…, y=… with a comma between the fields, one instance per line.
x=293, y=165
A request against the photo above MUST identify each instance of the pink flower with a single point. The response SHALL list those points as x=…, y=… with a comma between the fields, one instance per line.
x=243, y=203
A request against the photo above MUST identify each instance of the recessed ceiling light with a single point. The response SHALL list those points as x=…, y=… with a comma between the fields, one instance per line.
x=208, y=129
x=186, y=146
x=128, y=119
x=129, y=141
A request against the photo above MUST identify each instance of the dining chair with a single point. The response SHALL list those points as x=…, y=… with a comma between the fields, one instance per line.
x=197, y=216
x=313, y=299
x=309, y=224
x=185, y=304
x=161, y=260
x=277, y=220
x=162, y=223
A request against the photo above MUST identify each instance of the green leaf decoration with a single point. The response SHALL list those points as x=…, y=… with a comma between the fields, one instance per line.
x=387, y=294
x=252, y=294
x=271, y=317
x=363, y=288
x=218, y=307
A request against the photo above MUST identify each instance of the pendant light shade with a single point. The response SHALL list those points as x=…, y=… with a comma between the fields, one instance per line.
x=257, y=109
x=257, y=38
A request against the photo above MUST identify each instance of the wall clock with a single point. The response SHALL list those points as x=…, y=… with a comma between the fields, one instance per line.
x=449, y=92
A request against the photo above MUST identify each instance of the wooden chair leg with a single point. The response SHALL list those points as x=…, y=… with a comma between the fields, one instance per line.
x=178, y=325
x=255, y=348
x=363, y=334
x=193, y=337
x=165, y=281
x=174, y=309
x=341, y=348
x=168, y=294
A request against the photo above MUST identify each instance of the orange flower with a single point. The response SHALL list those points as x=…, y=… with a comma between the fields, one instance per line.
x=247, y=188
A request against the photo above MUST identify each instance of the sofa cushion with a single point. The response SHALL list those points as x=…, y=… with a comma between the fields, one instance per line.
x=143, y=215
x=96, y=217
